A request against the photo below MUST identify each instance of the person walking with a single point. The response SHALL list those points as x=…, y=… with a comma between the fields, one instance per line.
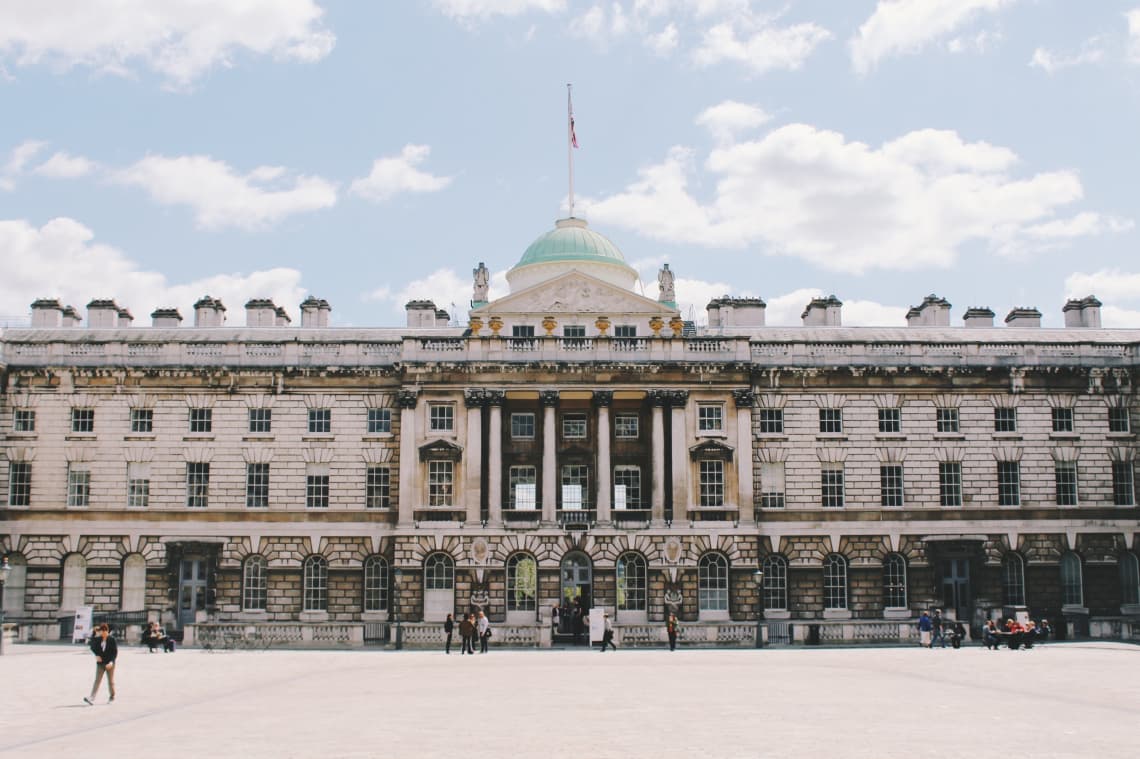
x=484, y=627
x=106, y=650
x=936, y=629
x=448, y=628
x=924, y=628
x=466, y=632
x=671, y=629
x=607, y=632
x=554, y=614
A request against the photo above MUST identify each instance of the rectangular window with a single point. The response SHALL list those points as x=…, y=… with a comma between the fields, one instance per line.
x=142, y=421
x=574, y=427
x=1065, y=475
x=831, y=487
x=574, y=330
x=1062, y=420
x=522, y=426
x=625, y=330
x=260, y=420
x=522, y=331
x=201, y=420
x=627, y=426
x=891, y=485
x=627, y=487
x=950, y=483
x=320, y=421
x=771, y=421
x=1005, y=420
x=441, y=417
x=1009, y=483
x=830, y=420
x=710, y=417
x=138, y=485
x=78, y=486
x=83, y=420
x=575, y=486
x=947, y=419
x=317, y=487
x=712, y=483
x=24, y=420
x=772, y=485
x=522, y=494
x=379, y=421
x=440, y=482
x=378, y=488
x=19, y=483
x=1123, y=489
x=197, y=484
x=890, y=420
x=257, y=486
x=1118, y=419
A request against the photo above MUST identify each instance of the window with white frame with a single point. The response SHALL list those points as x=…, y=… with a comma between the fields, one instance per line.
x=627, y=487
x=710, y=417
x=260, y=421
x=1005, y=419
x=24, y=420
x=1118, y=420
x=1009, y=483
x=831, y=486
x=1013, y=579
x=441, y=480
x=201, y=420
x=379, y=421
x=197, y=484
x=772, y=485
x=522, y=582
x=142, y=421
x=255, y=584
x=950, y=483
x=1065, y=477
x=138, y=485
x=78, y=485
x=575, y=486
x=1129, y=579
x=626, y=426
x=317, y=486
x=574, y=426
x=712, y=582
x=775, y=582
x=890, y=420
x=315, y=581
x=894, y=581
x=257, y=486
x=441, y=417
x=630, y=569
x=439, y=572
x=711, y=482
x=522, y=425
x=835, y=582
x=320, y=421
x=378, y=487
x=771, y=421
x=830, y=421
x=1072, y=582
x=1062, y=419
x=891, y=485
x=946, y=420
x=523, y=479
x=375, y=584
x=1123, y=485
x=83, y=420
x=19, y=483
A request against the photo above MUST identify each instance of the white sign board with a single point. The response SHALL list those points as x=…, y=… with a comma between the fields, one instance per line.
x=571, y=497
x=619, y=498
x=82, y=629
x=525, y=499
x=597, y=624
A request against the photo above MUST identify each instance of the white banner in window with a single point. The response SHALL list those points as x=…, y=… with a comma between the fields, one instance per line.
x=82, y=628
x=619, y=498
x=525, y=497
x=572, y=497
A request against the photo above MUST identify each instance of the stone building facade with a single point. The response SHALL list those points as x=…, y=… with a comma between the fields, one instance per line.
x=575, y=443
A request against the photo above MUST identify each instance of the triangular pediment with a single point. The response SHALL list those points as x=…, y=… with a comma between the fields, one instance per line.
x=711, y=449
x=440, y=450
x=574, y=292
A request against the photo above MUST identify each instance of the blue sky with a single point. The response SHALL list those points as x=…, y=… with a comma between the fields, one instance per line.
x=155, y=151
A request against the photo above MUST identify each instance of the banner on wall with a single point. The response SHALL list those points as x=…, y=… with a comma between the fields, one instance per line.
x=82, y=629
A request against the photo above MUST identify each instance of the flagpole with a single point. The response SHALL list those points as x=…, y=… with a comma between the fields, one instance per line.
x=570, y=146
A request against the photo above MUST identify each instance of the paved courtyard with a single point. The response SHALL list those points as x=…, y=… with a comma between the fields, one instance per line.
x=1059, y=700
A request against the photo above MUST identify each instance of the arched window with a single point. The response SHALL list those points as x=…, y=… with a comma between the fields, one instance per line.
x=522, y=582
x=254, y=583
x=631, y=582
x=1129, y=579
x=775, y=582
x=316, y=584
x=375, y=584
x=835, y=582
x=73, y=588
x=133, y=594
x=894, y=581
x=1013, y=579
x=15, y=587
x=1072, y=586
x=712, y=584
x=439, y=572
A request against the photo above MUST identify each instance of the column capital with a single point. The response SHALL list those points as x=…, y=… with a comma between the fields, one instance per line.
x=678, y=398
x=659, y=398
x=407, y=398
x=744, y=398
x=475, y=397
x=548, y=397
x=495, y=397
x=603, y=398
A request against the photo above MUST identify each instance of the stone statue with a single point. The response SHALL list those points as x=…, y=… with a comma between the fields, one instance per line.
x=665, y=283
x=482, y=277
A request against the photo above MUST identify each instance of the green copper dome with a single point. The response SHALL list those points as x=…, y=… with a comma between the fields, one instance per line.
x=571, y=240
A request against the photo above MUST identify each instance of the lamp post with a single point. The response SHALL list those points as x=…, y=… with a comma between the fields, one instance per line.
x=396, y=608
x=758, y=578
x=4, y=570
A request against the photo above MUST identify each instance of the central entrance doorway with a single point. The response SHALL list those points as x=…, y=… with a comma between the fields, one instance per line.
x=956, y=588
x=577, y=592
x=191, y=589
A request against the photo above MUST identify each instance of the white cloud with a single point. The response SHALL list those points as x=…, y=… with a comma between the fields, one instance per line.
x=1133, y=18
x=179, y=39
x=18, y=159
x=63, y=165
x=395, y=175
x=758, y=45
x=1106, y=284
x=1049, y=62
x=1122, y=318
x=445, y=287
x=664, y=42
x=726, y=120
x=1085, y=224
x=62, y=260
x=847, y=206
x=979, y=43
x=220, y=197
x=900, y=27
x=485, y=9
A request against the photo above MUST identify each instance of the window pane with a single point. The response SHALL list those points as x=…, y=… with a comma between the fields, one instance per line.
x=894, y=582
x=522, y=583
x=574, y=426
x=947, y=419
x=1123, y=490
x=710, y=417
x=830, y=420
x=441, y=417
x=255, y=584
x=257, y=486
x=375, y=584
x=440, y=481
x=142, y=420
x=950, y=483
x=891, y=485
x=1013, y=579
x=775, y=582
x=1005, y=420
x=771, y=421
x=320, y=421
x=890, y=420
x=19, y=483
x=712, y=483
x=1009, y=483
x=712, y=583
x=201, y=420
x=1065, y=475
x=522, y=426
x=831, y=487
x=378, y=487
x=631, y=582
x=1062, y=420
x=834, y=582
x=316, y=584
x=626, y=426
x=260, y=420
x=379, y=421
x=1072, y=588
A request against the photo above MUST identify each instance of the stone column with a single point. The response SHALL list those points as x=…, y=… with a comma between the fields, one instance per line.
x=745, y=400
x=659, y=399
x=409, y=482
x=549, y=399
x=603, y=399
x=678, y=400
x=475, y=398
x=495, y=400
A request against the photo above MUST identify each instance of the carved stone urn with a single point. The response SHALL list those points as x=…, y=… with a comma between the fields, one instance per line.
x=677, y=324
x=495, y=324
x=475, y=324
x=548, y=324
x=655, y=324
x=602, y=323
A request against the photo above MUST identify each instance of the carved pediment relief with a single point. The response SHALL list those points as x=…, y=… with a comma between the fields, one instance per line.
x=711, y=449
x=574, y=293
x=440, y=450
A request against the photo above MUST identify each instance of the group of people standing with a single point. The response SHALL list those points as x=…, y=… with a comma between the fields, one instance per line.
x=932, y=630
x=471, y=628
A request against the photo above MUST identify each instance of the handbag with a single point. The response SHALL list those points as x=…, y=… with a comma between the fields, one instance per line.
x=488, y=633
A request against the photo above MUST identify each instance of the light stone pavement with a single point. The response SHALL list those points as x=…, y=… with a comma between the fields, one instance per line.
x=1071, y=700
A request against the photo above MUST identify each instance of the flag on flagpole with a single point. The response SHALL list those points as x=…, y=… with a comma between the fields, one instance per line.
x=573, y=134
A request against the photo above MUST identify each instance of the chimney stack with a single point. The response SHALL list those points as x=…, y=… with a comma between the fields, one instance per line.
x=209, y=312
x=1083, y=312
x=1022, y=317
x=125, y=318
x=934, y=312
x=976, y=317
x=166, y=318
x=421, y=313
x=823, y=312
x=47, y=313
x=315, y=312
x=260, y=312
